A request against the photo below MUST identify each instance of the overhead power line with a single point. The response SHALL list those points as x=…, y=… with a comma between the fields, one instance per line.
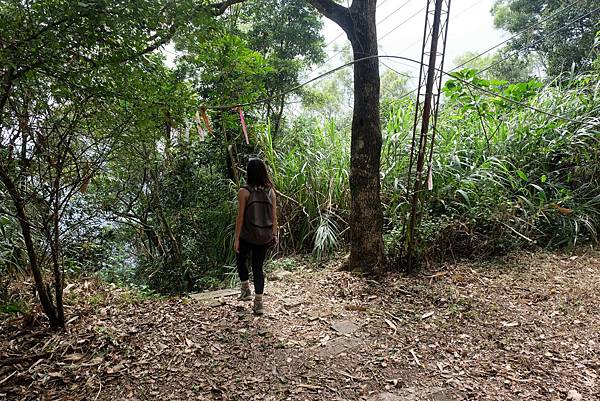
x=504, y=97
x=295, y=88
x=550, y=17
x=532, y=26
x=390, y=15
x=541, y=39
x=404, y=74
x=402, y=23
x=529, y=28
x=378, y=5
x=394, y=29
x=299, y=86
x=453, y=18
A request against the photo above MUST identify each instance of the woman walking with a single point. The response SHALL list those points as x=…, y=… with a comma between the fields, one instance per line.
x=255, y=229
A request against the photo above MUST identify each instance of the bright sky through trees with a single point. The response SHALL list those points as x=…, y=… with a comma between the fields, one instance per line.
x=471, y=29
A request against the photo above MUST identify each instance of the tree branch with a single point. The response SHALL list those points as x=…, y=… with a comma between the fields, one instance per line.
x=151, y=47
x=223, y=6
x=9, y=78
x=338, y=14
x=220, y=9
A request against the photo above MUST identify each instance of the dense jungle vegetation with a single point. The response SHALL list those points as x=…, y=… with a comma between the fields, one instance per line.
x=104, y=169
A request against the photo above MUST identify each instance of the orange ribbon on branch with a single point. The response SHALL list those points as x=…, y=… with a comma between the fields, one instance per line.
x=205, y=118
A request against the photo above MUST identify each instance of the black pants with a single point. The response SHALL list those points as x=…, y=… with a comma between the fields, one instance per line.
x=259, y=252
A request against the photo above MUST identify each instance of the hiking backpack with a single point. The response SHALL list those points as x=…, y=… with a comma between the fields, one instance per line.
x=258, y=217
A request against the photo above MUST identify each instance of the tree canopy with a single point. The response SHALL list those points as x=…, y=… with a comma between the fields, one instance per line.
x=563, y=34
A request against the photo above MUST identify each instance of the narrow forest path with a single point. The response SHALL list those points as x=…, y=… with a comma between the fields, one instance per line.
x=525, y=328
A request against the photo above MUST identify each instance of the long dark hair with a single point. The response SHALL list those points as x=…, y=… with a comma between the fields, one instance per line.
x=257, y=174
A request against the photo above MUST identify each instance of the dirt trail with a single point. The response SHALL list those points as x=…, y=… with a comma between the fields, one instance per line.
x=525, y=328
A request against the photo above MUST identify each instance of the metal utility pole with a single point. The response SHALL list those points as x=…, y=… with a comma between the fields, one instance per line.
x=426, y=112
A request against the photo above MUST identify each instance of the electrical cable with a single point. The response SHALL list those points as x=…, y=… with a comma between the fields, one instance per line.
x=453, y=18
x=394, y=29
x=516, y=102
x=404, y=74
x=540, y=39
x=378, y=5
x=551, y=16
x=293, y=89
x=394, y=12
x=301, y=85
x=519, y=33
x=402, y=23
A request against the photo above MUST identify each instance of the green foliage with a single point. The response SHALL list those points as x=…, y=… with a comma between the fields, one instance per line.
x=288, y=34
x=327, y=237
x=181, y=204
x=143, y=202
x=505, y=176
x=72, y=74
x=504, y=65
x=14, y=308
x=393, y=85
x=12, y=255
x=286, y=264
x=562, y=44
x=224, y=70
x=332, y=96
x=171, y=196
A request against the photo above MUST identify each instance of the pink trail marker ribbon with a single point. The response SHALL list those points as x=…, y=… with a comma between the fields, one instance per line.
x=243, y=125
x=201, y=132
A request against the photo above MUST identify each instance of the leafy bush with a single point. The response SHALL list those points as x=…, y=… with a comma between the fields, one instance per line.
x=504, y=176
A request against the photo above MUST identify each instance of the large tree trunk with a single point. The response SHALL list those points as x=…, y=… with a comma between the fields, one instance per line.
x=366, y=224
x=366, y=215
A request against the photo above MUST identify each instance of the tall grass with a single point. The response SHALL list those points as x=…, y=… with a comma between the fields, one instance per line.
x=310, y=167
x=511, y=178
